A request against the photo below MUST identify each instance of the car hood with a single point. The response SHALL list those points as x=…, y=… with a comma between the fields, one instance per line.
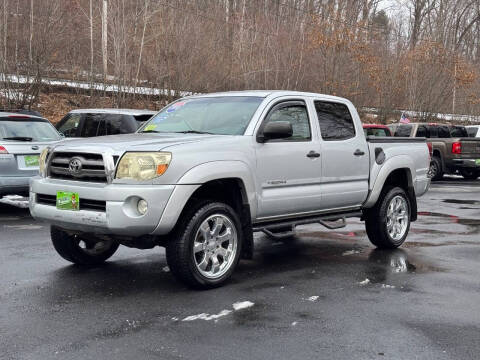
x=134, y=142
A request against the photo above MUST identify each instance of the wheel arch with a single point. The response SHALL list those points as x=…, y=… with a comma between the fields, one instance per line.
x=401, y=176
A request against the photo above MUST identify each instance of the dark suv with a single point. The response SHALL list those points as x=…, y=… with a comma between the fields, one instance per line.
x=453, y=151
x=99, y=122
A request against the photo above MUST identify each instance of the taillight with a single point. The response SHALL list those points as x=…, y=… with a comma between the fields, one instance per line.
x=3, y=150
x=430, y=150
x=456, y=148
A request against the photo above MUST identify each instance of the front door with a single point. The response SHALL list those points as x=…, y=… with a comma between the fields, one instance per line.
x=288, y=170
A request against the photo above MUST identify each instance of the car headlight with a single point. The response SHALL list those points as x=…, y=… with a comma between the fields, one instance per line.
x=42, y=162
x=143, y=166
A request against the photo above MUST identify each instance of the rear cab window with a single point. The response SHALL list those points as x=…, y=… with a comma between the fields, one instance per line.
x=403, y=131
x=376, y=132
x=458, y=131
x=336, y=122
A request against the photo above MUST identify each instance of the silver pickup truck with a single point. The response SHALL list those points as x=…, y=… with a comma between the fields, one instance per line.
x=209, y=170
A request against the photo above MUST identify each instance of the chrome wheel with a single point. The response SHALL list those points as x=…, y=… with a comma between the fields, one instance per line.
x=433, y=170
x=215, y=246
x=397, y=217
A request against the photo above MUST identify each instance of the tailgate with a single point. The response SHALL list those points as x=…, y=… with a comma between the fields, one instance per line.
x=21, y=158
x=470, y=146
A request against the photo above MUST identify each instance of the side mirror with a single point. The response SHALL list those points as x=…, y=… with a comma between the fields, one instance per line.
x=276, y=130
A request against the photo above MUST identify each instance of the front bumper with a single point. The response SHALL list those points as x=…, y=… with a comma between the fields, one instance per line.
x=466, y=163
x=14, y=185
x=119, y=217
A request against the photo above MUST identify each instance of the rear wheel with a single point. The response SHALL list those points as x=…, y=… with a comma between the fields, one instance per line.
x=470, y=174
x=388, y=222
x=436, y=170
x=207, y=245
x=79, y=249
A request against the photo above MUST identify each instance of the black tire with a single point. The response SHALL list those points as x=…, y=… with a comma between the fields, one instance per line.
x=436, y=169
x=376, y=219
x=180, y=253
x=470, y=174
x=68, y=247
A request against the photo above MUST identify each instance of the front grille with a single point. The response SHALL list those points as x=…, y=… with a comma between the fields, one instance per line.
x=90, y=167
x=85, y=204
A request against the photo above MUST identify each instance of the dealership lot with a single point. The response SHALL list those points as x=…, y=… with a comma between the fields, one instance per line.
x=323, y=294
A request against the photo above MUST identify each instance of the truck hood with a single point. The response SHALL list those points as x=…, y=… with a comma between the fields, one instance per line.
x=135, y=142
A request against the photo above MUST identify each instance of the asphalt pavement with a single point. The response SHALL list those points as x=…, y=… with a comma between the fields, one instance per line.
x=321, y=295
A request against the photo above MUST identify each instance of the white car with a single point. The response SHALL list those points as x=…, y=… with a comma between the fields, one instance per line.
x=473, y=130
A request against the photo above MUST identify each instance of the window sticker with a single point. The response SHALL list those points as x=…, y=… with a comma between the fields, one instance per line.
x=176, y=106
x=150, y=127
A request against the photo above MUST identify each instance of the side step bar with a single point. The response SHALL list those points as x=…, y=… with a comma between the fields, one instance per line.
x=329, y=221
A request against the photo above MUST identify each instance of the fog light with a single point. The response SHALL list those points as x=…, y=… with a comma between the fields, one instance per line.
x=142, y=206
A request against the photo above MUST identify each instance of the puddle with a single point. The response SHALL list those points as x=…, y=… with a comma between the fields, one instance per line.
x=462, y=202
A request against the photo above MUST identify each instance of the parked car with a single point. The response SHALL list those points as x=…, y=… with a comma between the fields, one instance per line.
x=376, y=130
x=209, y=170
x=22, y=138
x=99, y=122
x=473, y=130
x=453, y=151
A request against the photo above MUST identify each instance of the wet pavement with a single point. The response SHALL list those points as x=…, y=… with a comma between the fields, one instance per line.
x=321, y=295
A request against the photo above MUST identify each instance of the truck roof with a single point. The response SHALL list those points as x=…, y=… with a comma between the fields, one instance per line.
x=115, y=111
x=267, y=93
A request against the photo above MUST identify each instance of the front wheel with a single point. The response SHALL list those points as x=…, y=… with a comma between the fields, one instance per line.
x=470, y=174
x=207, y=245
x=388, y=222
x=80, y=249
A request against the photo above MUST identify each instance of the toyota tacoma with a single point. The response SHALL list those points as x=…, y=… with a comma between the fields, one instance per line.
x=208, y=171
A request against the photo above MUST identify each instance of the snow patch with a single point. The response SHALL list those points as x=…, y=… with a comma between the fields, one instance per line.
x=166, y=269
x=364, y=282
x=242, y=305
x=313, y=298
x=207, y=317
x=386, y=286
x=350, y=252
x=23, y=227
x=15, y=200
x=294, y=323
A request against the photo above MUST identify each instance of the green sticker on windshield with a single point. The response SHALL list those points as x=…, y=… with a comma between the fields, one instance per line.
x=31, y=160
x=477, y=162
x=150, y=127
x=68, y=201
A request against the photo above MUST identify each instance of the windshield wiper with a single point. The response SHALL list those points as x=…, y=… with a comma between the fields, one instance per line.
x=194, y=132
x=18, y=138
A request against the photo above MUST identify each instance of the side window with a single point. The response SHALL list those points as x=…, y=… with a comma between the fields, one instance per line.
x=92, y=124
x=70, y=125
x=443, y=132
x=335, y=120
x=433, y=131
x=403, y=131
x=296, y=114
x=421, y=131
x=120, y=124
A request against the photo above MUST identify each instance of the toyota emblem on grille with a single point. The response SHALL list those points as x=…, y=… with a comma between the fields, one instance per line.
x=75, y=166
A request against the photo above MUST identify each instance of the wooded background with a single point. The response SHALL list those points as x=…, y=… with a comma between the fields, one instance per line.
x=421, y=55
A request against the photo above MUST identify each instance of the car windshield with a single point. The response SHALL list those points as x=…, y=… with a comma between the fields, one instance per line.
x=27, y=130
x=227, y=115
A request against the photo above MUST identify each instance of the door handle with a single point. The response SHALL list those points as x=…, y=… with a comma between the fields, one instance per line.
x=313, y=154
x=359, y=152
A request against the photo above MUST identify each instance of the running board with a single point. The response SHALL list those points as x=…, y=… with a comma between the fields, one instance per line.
x=326, y=220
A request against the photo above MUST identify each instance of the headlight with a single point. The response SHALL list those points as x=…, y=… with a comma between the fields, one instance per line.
x=143, y=165
x=42, y=162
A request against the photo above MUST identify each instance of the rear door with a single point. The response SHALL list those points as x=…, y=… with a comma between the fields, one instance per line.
x=345, y=156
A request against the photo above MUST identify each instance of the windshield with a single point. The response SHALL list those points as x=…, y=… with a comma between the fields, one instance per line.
x=27, y=130
x=228, y=115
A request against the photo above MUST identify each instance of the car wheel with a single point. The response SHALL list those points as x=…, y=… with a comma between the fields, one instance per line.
x=435, y=172
x=207, y=246
x=80, y=250
x=470, y=174
x=388, y=222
